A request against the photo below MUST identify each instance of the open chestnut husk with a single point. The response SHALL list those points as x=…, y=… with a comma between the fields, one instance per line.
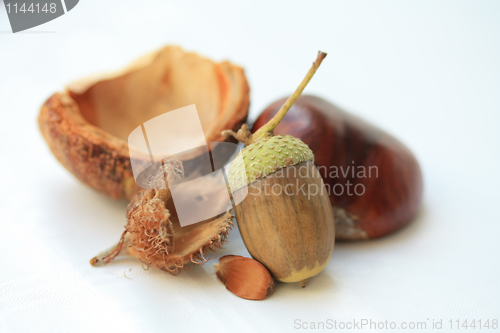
x=87, y=125
x=374, y=181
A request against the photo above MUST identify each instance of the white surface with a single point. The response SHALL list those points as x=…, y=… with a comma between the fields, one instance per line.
x=426, y=71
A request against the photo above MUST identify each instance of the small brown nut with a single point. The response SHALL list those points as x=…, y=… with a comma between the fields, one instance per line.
x=245, y=277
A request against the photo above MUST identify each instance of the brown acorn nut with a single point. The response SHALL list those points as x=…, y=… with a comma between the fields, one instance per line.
x=283, y=210
x=87, y=125
x=153, y=233
x=245, y=277
x=392, y=182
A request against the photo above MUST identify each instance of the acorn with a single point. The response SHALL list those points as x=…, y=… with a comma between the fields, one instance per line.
x=281, y=206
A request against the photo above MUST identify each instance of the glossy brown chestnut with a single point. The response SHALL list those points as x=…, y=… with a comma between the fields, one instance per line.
x=374, y=181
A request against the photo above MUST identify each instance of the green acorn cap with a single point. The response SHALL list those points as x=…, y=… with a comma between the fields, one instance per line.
x=265, y=156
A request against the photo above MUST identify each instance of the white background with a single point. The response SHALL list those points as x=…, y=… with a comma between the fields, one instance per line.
x=426, y=71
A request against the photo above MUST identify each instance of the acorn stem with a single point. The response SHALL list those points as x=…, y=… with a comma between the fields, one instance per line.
x=303, y=283
x=271, y=125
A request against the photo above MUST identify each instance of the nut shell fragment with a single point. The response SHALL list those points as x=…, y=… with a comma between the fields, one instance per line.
x=245, y=277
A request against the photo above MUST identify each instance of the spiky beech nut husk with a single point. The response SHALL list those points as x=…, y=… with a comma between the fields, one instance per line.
x=351, y=152
x=87, y=125
x=283, y=212
x=153, y=233
x=245, y=277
